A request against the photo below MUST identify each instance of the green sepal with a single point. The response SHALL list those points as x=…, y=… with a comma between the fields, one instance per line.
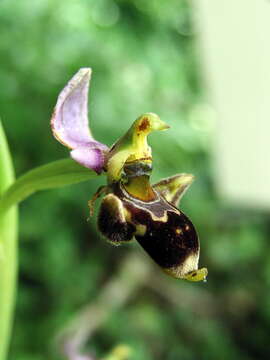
x=174, y=187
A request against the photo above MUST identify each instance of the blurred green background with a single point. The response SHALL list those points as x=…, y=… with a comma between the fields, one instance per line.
x=144, y=58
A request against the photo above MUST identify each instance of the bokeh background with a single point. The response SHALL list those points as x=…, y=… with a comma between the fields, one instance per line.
x=144, y=57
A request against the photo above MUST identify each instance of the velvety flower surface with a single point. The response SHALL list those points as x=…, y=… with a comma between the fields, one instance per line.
x=70, y=123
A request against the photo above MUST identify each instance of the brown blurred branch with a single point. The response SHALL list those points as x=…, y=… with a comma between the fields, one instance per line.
x=133, y=273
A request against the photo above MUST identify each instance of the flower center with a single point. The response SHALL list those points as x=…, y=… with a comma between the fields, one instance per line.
x=136, y=179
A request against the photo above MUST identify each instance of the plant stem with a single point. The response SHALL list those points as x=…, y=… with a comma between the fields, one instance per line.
x=8, y=250
x=50, y=176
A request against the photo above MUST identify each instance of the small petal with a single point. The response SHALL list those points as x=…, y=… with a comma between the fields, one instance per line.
x=174, y=187
x=89, y=157
x=70, y=118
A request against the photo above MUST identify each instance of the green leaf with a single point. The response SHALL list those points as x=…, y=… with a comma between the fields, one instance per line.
x=56, y=174
x=8, y=250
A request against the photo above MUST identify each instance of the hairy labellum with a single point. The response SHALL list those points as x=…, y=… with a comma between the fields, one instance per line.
x=133, y=209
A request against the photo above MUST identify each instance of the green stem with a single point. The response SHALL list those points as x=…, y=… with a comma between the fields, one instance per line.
x=55, y=174
x=8, y=250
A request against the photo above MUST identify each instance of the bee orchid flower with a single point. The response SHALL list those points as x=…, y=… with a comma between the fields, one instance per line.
x=132, y=208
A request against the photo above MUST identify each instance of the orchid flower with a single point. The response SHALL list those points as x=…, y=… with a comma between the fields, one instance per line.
x=132, y=207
